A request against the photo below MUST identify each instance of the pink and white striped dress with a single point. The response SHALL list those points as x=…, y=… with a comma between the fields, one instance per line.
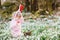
x=15, y=24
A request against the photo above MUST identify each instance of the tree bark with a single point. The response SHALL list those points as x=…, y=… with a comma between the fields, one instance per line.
x=34, y=5
x=0, y=2
x=27, y=3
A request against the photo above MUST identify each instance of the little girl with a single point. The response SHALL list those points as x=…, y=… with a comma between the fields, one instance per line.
x=17, y=20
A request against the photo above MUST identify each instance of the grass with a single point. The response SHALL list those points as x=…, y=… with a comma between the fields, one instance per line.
x=34, y=30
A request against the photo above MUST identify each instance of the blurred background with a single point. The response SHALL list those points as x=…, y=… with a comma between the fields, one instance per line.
x=41, y=19
x=32, y=7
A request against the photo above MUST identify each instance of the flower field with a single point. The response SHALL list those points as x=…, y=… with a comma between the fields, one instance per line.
x=45, y=29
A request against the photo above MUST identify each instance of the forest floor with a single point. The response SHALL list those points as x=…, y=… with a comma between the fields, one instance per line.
x=41, y=28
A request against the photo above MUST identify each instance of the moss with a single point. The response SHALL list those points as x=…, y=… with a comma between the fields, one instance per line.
x=9, y=8
x=7, y=4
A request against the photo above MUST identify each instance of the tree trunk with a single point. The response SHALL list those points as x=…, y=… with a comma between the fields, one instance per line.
x=34, y=5
x=27, y=3
x=0, y=2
